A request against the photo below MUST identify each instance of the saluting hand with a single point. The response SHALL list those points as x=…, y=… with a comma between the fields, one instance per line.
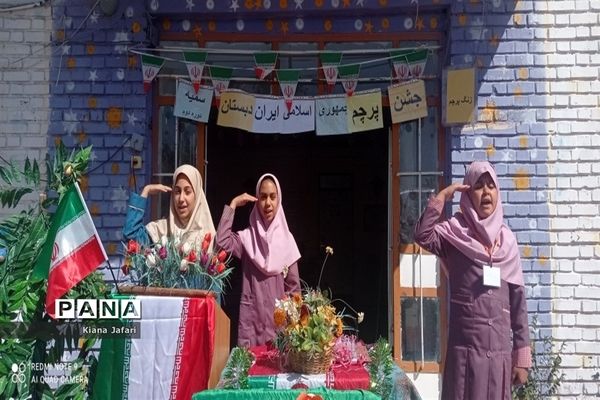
x=242, y=200
x=155, y=188
x=447, y=193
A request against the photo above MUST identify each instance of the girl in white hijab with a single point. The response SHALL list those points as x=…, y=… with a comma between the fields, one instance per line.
x=189, y=215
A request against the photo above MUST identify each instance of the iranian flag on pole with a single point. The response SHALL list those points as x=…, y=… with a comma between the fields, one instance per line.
x=172, y=357
x=72, y=250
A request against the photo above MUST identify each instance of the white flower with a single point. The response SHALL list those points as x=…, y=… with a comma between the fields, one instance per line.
x=183, y=267
x=329, y=250
x=360, y=317
x=151, y=260
x=186, y=248
x=163, y=241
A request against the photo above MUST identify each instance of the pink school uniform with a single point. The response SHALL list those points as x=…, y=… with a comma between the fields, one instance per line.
x=480, y=354
x=269, y=255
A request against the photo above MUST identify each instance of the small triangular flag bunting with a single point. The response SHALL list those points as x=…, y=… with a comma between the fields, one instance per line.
x=220, y=77
x=288, y=80
x=349, y=77
x=400, y=63
x=416, y=62
x=265, y=64
x=330, y=62
x=194, y=61
x=151, y=65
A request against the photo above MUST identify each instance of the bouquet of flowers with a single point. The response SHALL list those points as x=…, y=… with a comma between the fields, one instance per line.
x=172, y=263
x=308, y=327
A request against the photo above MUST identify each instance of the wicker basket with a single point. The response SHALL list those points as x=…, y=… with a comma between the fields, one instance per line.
x=319, y=363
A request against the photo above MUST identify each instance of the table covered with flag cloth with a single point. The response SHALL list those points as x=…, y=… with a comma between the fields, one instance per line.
x=273, y=394
x=266, y=378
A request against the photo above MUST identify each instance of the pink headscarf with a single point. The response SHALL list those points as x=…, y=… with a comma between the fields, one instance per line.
x=270, y=247
x=473, y=236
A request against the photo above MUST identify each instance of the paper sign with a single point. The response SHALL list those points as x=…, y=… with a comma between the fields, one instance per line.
x=365, y=111
x=268, y=115
x=459, y=99
x=192, y=105
x=300, y=117
x=236, y=110
x=407, y=101
x=331, y=115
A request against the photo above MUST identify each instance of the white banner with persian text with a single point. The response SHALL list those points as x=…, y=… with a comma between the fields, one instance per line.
x=331, y=115
x=192, y=105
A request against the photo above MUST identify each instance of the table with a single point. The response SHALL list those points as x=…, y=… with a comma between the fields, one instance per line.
x=267, y=381
x=273, y=394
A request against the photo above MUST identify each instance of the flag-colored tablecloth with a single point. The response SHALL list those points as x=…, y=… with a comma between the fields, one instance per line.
x=272, y=394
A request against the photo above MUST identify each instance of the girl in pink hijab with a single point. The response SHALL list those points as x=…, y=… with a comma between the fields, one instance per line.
x=268, y=254
x=487, y=298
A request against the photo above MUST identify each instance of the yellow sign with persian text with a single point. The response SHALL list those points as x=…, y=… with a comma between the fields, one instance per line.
x=407, y=101
x=364, y=111
x=460, y=100
x=236, y=110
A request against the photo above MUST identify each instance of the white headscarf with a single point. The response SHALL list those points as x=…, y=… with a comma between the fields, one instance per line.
x=200, y=222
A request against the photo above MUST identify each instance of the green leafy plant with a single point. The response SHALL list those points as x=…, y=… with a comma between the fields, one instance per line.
x=22, y=296
x=235, y=373
x=545, y=376
x=381, y=368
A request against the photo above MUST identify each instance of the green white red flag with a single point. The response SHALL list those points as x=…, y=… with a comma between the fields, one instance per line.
x=151, y=65
x=194, y=61
x=72, y=250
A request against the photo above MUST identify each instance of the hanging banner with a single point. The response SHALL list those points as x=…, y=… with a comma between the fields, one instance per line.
x=194, y=61
x=417, y=60
x=268, y=114
x=236, y=110
x=151, y=65
x=400, y=64
x=288, y=80
x=349, y=77
x=458, y=89
x=220, y=77
x=301, y=117
x=364, y=111
x=331, y=115
x=330, y=62
x=271, y=115
x=192, y=104
x=407, y=101
x=265, y=63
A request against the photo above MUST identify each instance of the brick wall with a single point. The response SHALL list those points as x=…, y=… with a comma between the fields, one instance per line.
x=538, y=113
x=97, y=99
x=24, y=88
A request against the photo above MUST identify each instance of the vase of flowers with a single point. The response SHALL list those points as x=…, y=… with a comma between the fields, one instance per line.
x=308, y=327
x=172, y=263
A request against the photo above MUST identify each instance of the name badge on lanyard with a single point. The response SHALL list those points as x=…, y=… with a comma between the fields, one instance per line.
x=491, y=276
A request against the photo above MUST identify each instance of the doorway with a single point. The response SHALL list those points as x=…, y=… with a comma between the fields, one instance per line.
x=334, y=193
